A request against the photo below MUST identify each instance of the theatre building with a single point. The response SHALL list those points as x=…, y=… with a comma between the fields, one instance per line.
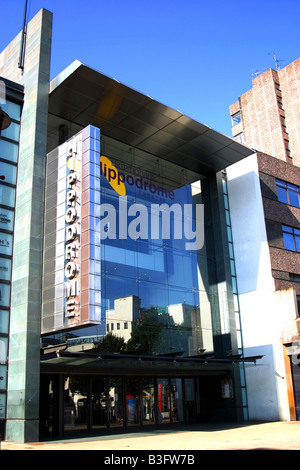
x=124, y=309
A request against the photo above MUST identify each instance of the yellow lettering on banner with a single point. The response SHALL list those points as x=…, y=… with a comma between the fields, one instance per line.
x=112, y=175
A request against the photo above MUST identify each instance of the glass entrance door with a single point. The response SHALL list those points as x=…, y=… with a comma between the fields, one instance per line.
x=76, y=404
x=148, y=401
x=163, y=397
x=176, y=401
x=99, y=403
x=190, y=404
x=115, y=402
x=49, y=407
x=133, y=403
x=72, y=404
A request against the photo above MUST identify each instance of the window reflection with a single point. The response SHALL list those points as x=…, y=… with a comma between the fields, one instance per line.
x=12, y=109
x=148, y=401
x=190, y=411
x=288, y=193
x=176, y=401
x=156, y=329
x=115, y=403
x=7, y=195
x=150, y=287
x=8, y=150
x=182, y=268
x=133, y=405
x=4, y=295
x=99, y=403
x=75, y=403
x=147, y=291
x=291, y=237
x=8, y=173
x=12, y=132
x=164, y=406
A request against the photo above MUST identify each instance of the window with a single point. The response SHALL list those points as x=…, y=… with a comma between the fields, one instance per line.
x=288, y=193
x=294, y=277
x=13, y=110
x=5, y=269
x=12, y=132
x=6, y=219
x=8, y=173
x=239, y=138
x=118, y=326
x=287, y=147
x=298, y=305
x=7, y=195
x=291, y=238
x=4, y=295
x=8, y=150
x=236, y=118
x=6, y=244
x=126, y=326
x=287, y=144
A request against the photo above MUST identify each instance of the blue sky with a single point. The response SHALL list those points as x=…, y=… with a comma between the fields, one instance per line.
x=192, y=55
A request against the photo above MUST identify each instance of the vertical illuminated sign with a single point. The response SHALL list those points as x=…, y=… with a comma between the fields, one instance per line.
x=72, y=235
x=69, y=302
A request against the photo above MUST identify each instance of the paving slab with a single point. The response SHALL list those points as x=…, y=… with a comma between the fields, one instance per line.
x=247, y=436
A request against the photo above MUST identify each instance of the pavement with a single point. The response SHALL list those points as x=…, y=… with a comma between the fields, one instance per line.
x=283, y=435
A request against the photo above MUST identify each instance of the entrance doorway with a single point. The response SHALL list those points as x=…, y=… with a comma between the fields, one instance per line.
x=76, y=403
x=85, y=404
x=116, y=418
x=296, y=384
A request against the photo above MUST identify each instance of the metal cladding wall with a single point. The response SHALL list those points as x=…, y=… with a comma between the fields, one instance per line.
x=11, y=102
x=25, y=319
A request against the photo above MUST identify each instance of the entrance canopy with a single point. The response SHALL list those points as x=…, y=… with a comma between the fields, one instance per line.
x=83, y=96
x=130, y=364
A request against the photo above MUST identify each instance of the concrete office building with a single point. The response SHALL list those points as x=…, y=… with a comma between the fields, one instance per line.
x=266, y=117
x=121, y=215
x=265, y=214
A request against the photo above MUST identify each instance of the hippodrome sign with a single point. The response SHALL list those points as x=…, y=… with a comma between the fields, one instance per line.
x=72, y=247
x=117, y=180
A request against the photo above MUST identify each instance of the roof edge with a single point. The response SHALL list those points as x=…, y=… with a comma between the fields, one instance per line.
x=64, y=74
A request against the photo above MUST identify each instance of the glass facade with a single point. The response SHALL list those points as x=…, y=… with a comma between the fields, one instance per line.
x=143, y=265
x=144, y=258
x=151, y=278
